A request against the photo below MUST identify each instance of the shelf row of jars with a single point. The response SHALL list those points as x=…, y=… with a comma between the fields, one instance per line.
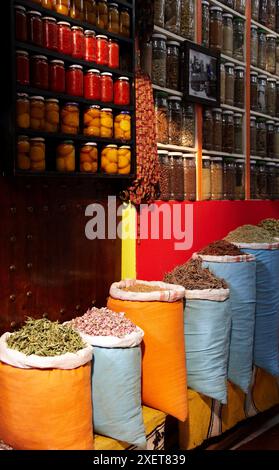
x=223, y=178
x=36, y=113
x=266, y=12
x=31, y=156
x=264, y=50
x=233, y=84
x=177, y=176
x=237, y=5
x=109, y=16
x=175, y=120
x=264, y=178
x=60, y=37
x=264, y=94
x=223, y=131
x=264, y=138
x=177, y=16
x=165, y=62
x=52, y=75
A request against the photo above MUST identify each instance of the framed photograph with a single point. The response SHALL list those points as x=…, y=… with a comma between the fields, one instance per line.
x=202, y=69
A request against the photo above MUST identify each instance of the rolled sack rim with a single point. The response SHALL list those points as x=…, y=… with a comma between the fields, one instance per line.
x=245, y=258
x=171, y=293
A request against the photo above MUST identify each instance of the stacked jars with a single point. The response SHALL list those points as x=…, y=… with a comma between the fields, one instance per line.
x=229, y=178
x=216, y=170
x=159, y=59
x=175, y=120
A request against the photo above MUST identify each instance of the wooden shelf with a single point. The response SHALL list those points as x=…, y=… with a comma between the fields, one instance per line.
x=265, y=116
x=222, y=154
x=228, y=9
x=168, y=90
x=267, y=30
x=169, y=34
x=227, y=58
x=232, y=108
x=264, y=72
x=69, y=174
x=176, y=148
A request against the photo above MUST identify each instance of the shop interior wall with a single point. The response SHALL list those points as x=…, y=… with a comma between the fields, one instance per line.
x=211, y=221
x=47, y=265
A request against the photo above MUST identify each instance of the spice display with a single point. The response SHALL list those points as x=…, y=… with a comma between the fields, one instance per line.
x=227, y=34
x=124, y=160
x=253, y=179
x=255, y=5
x=271, y=226
x=192, y=276
x=159, y=13
x=113, y=18
x=173, y=15
x=208, y=129
x=106, y=84
x=165, y=175
x=66, y=156
x=161, y=115
x=254, y=46
x=254, y=91
x=261, y=137
x=52, y=118
x=39, y=72
x=220, y=248
x=90, y=46
x=35, y=28
x=70, y=118
x=65, y=38
x=21, y=23
x=262, y=180
x=22, y=68
x=206, y=179
x=92, y=85
x=229, y=87
x=57, y=76
x=175, y=119
x=271, y=53
x=62, y=7
x=217, y=130
x=125, y=23
x=37, y=154
x=189, y=170
x=253, y=136
x=270, y=135
x=159, y=59
x=109, y=159
x=102, y=50
x=113, y=54
x=177, y=178
x=74, y=80
x=262, y=85
x=187, y=27
x=23, y=153
x=216, y=178
x=92, y=121
x=89, y=158
x=50, y=33
x=229, y=178
x=238, y=38
x=37, y=113
x=262, y=49
x=205, y=23
x=122, y=126
x=172, y=65
x=45, y=338
x=239, y=87
x=238, y=133
x=121, y=91
x=271, y=96
x=216, y=29
x=240, y=180
x=228, y=131
x=250, y=234
x=23, y=111
x=188, y=126
x=223, y=84
x=90, y=10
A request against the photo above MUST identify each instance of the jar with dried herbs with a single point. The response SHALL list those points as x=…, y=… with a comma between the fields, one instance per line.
x=187, y=27
x=177, y=176
x=206, y=178
x=159, y=13
x=172, y=64
x=188, y=125
x=175, y=119
x=159, y=59
x=230, y=78
x=271, y=96
x=276, y=141
x=270, y=137
x=161, y=115
x=240, y=180
x=227, y=34
x=277, y=99
x=271, y=14
x=262, y=85
x=255, y=6
x=254, y=46
x=262, y=49
x=263, y=12
x=240, y=5
x=216, y=28
x=253, y=136
x=165, y=174
x=207, y=130
x=228, y=131
x=239, y=87
x=254, y=90
x=238, y=38
x=277, y=182
x=253, y=179
x=216, y=172
x=277, y=55
x=205, y=23
x=261, y=180
x=173, y=16
x=217, y=130
x=223, y=83
x=238, y=133
x=271, y=53
x=261, y=138
x=229, y=179
x=271, y=179
x=189, y=166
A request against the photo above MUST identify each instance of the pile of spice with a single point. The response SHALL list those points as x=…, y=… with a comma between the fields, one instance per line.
x=271, y=226
x=45, y=338
x=221, y=248
x=142, y=288
x=193, y=276
x=250, y=234
x=103, y=322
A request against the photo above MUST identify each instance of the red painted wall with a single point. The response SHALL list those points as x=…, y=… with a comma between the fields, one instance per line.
x=211, y=221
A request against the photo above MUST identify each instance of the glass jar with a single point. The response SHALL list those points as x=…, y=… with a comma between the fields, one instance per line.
x=216, y=28
x=205, y=23
x=223, y=83
x=254, y=46
x=216, y=172
x=76, y=10
x=188, y=125
x=106, y=130
x=230, y=78
x=270, y=136
x=161, y=116
x=21, y=23
x=92, y=121
x=240, y=6
x=271, y=97
x=22, y=68
x=239, y=87
x=122, y=126
x=70, y=118
x=102, y=50
x=261, y=180
x=65, y=38
x=122, y=91
x=74, y=80
x=159, y=59
x=165, y=175
x=90, y=10
x=277, y=17
x=262, y=49
x=206, y=178
x=66, y=157
x=39, y=72
x=229, y=3
x=261, y=138
x=35, y=28
x=263, y=12
x=62, y=7
x=254, y=90
x=277, y=56
x=57, y=76
x=173, y=16
x=177, y=176
x=159, y=13
x=92, y=85
x=253, y=136
x=182, y=77
x=276, y=141
x=229, y=179
x=175, y=119
x=271, y=14
x=114, y=54
x=217, y=130
x=52, y=115
x=228, y=131
x=262, y=85
x=238, y=38
x=88, y=159
x=271, y=53
x=50, y=33
x=240, y=180
x=37, y=113
x=90, y=46
x=271, y=180
x=102, y=14
x=207, y=130
x=227, y=34
x=253, y=179
x=146, y=58
x=277, y=181
x=277, y=99
x=37, y=154
x=113, y=18
x=189, y=169
x=23, y=153
x=187, y=26
x=109, y=159
x=124, y=155
x=106, y=87
x=23, y=111
x=125, y=23
x=238, y=133
x=172, y=65
x=78, y=49
x=255, y=5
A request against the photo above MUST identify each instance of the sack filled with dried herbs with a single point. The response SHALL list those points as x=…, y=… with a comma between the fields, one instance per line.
x=271, y=226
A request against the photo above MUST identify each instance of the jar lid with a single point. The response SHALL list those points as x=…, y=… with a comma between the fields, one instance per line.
x=125, y=147
x=271, y=164
x=111, y=146
x=175, y=98
x=37, y=139
x=229, y=64
x=173, y=43
x=93, y=71
x=216, y=159
x=22, y=52
x=52, y=100
x=253, y=118
x=75, y=66
x=162, y=152
x=39, y=57
x=33, y=12
x=189, y=155
x=49, y=18
x=206, y=158
x=123, y=78
x=263, y=77
x=253, y=162
x=59, y=62
x=63, y=23
x=271, y=79
x=159, y=36
x=92, y=144
x=217, y=110
x=125, y=112
x=216, y=9
x=40, y=98
x=113, y=5
x=270, y=122
x=22, y=95
x=269, y=36
x=106, y=74
x=19, y=7
x=239, y=67
x=77, y=28
x=175, y=154
x=109, y=110
x=89, y=32
x=205, y=2
x=101, y=36
x=227, y=15
x=240, y=160
x=254, y=73
x=238, y=115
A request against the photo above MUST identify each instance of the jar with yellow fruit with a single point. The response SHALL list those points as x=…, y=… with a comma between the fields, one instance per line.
x=46, y=4
x=23, y=111
x=122, y=126
x=37, y=113
x=37, y=154
x=62, y=6
x=109, y=160
x=102, y=14
x=124, y=160
x=76, y=10
x=89, y=158
x=70, y=118
x=66, y=157
x=92, y=121
x=106, y=123
x=52, y=110
x=90, y=9
x=23, y=153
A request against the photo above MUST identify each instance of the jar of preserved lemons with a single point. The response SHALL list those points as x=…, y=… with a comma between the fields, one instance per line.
x=106, y=123
x=70, y=119
x=92, y=121
x=109, y=159
x=37, y=113
x=76, y=10
x=124, y=160
x=122, y=126
x=62, y=6
x=23, y=111
x=23, y=153
x=52, y=110
x=37, y=154
x=90, y=9
x=66, y=156
x=102, y=14
x=89, y=158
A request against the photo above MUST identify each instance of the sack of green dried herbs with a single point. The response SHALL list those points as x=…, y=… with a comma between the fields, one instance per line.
x=45, y=378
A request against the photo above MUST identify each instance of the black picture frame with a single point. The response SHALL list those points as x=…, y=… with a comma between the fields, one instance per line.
x=206, y=92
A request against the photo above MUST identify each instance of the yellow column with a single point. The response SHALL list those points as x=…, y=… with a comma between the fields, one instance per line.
x=129, y=236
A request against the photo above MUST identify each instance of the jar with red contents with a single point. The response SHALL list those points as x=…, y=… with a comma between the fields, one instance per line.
x=78, y=42
x=35, y=27
x=21, y=23
x=65, y=38
x=23, y=67
x=106, y=87
x=74, y=80
x=122, y=91
x=90, y=46
x=50, y=33
x=102, y=50
x=39, y=71
x=92, y=85
x=113, y=61
x=57, y=76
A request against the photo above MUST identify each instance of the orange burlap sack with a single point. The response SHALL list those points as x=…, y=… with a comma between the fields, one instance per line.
x=46, y=409
x=164, y=385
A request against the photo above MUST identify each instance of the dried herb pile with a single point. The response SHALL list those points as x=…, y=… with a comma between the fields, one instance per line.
x=193, y=276
x=143, y=288
x=271, y=226
x=250, y=234
x=103, y=322
x=45, y=338
x=221, y=248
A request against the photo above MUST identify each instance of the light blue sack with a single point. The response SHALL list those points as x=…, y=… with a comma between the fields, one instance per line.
x=240, y=275
x=207, y=330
